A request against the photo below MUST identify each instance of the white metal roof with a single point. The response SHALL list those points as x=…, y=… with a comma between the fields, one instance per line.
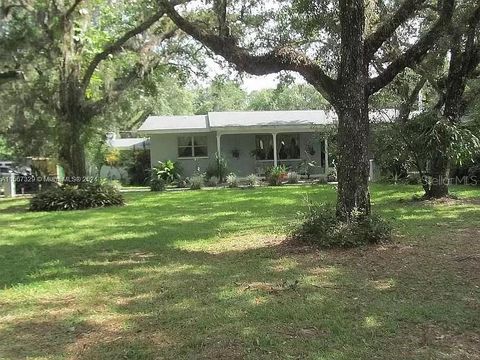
x=269, y=118
x=179, y=123
x=235, y=119
x=128, y=143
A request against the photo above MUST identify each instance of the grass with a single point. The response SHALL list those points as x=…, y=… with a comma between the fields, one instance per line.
x=204, y=274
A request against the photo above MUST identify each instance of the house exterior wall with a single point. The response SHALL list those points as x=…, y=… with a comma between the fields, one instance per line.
x=165, y=147
x=244, y=164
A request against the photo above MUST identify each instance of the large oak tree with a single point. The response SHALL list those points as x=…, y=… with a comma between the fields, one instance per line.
x=362, y=62
x=79, y=57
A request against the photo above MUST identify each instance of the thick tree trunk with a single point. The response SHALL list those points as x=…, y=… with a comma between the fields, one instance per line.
x=439, y=174
x=72, y=148
x=351, y=104
x=352, y=170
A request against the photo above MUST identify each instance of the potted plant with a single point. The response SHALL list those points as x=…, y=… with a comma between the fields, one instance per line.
x=276, y=175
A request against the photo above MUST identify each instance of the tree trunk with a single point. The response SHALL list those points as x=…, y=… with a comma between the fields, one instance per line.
x=352, y=170
x=439, y=174
x=351, y=104
x=72, y=148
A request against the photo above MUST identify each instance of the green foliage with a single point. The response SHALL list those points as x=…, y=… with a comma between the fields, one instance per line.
x=169, y=171
x=390, y=151
x=474, y=174
x=287, y=97
x=137, y=163
x=276, y=174
x=319, y=225
x=221, y=95
x=429, y=132
x=252, y=180
x=232, y=180
x=157, y=183
x=332, y=175
x=181, y=183
x=307, y=166
x=77, y=197
x=196, y=182
x=219, y=168
x=5, y=152
x=212, y=181
x=293, y=177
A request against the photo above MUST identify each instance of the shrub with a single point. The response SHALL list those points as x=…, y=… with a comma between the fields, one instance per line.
x=77, y=197
x=322, y=180
x=157, y=184
x=232, y=180
x=474, y=174
x=169, y=171
x=332, y=175
x=196, y=182
x=413, y=179
x=137, y=164
x=276, y=175
x=320, y=226
x=181, y=183
x=219, y=168
x=212, y=182
x=251, y=180
x=293, y=177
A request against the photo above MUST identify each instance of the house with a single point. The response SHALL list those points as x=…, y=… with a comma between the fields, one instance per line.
x=251, y=142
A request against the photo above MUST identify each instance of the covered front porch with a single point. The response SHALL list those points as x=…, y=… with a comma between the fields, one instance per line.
x=305, y=152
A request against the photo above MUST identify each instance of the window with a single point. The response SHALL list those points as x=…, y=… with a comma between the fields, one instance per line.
x=264, y=147
x=192, y=146
x=288, y=146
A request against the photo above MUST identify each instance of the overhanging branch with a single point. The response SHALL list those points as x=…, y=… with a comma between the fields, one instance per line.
x=117, y=45
x=390, y=25
x=416, y=52
x=72, y=8
x=283, y=58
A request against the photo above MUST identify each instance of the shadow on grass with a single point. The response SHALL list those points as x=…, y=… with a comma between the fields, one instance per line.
x=140, y=283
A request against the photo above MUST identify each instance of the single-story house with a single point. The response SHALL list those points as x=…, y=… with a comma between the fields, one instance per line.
x=250, y=141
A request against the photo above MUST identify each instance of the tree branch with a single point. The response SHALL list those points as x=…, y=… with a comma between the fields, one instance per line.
x=407, y=105
x=389, y=26
x=416, y=52
x=72, y=8
x=284, y=58
x=117, y=45
x=221, y=11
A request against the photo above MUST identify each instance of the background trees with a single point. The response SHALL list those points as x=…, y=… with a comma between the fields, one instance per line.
x=85, y=55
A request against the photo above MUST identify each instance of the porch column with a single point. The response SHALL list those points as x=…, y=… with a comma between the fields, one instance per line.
x=326, y=156
x=218, y=143
x=275, y=157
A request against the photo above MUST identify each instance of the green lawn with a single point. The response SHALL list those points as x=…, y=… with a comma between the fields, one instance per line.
x=204, y=274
